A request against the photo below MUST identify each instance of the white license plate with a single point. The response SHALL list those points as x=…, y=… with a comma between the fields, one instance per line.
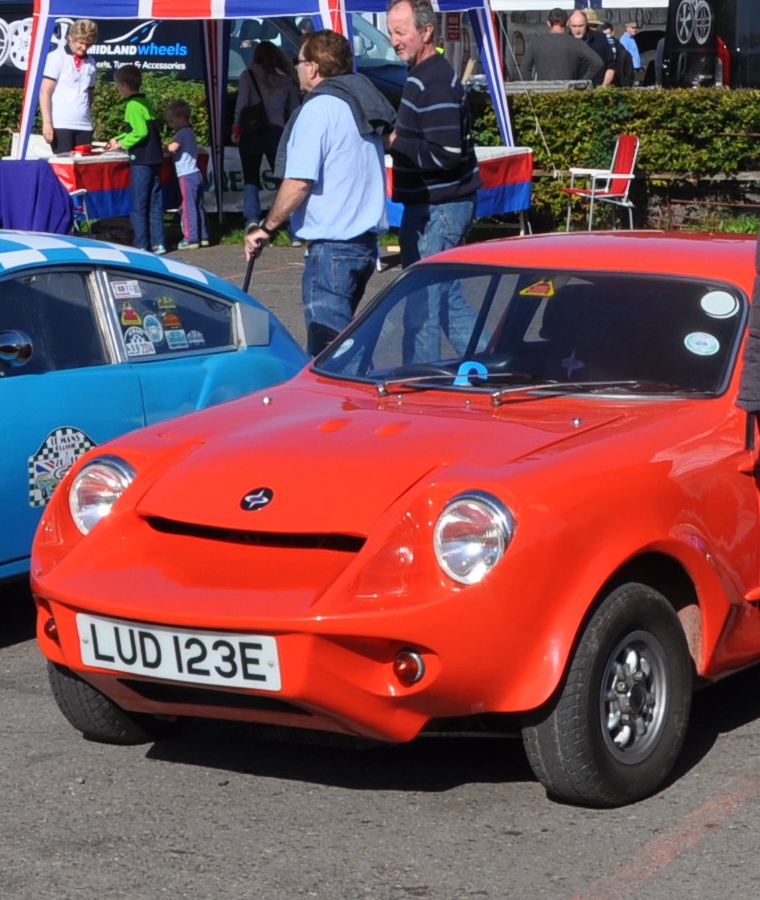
x=221, y=659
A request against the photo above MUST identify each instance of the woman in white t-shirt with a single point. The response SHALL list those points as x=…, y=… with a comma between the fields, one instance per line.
x=68, y=86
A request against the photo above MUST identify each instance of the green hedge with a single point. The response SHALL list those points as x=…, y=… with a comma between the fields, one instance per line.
x=108, y=107
x=687, y=136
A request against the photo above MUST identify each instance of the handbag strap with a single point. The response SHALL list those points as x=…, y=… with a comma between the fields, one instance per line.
x=255, y=84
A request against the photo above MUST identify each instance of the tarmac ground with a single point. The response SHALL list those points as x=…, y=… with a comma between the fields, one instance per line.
x=276, y=277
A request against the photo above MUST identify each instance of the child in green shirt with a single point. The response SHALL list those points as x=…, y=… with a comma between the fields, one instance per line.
x=141, y=138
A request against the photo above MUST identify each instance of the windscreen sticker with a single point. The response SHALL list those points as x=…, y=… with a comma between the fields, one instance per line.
x=701, y=343
x=60, y=449
x=539, y=289
x=719, y=304
x=344, y=347
x=172, y=320
x=137, y=342
x=176, y=339
x=164, y=302
x=468, y=369
x=130, y=288
x=153, y=328
x=129, y=315
x=195, y=338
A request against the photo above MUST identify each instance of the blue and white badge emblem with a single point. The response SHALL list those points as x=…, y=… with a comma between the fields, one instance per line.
x=256, y=499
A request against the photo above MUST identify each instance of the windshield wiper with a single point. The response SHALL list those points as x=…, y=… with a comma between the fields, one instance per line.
x=524, y=383
x=552, y=388
x=414, y=383
x=416, y=376
x=548, y=386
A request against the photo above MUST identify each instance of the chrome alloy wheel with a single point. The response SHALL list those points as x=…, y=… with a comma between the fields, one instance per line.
x=634, y=696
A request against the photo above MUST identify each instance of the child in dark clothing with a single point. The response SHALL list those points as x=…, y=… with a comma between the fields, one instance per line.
x=185, y=151
x=141, y=138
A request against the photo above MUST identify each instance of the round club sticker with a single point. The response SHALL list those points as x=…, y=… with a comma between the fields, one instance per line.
x=719, y=304
x=701, y=343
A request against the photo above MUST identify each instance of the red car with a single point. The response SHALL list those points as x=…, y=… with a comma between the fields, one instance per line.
x=516, y=494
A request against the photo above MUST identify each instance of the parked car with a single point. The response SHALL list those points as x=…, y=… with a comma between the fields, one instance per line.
x=374, y=55
x=549, y=527
x=712, y=42
x=96, y=340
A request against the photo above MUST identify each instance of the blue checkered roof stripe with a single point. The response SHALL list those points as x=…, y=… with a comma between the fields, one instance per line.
x=19, y=250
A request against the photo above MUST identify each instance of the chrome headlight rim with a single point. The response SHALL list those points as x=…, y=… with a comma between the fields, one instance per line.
x=455, y=557
x=84, y=512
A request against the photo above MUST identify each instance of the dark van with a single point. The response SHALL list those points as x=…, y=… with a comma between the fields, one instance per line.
x=712, y=43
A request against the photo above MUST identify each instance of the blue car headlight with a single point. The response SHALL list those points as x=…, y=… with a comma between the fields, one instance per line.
x=471, y=535
x=95, y=489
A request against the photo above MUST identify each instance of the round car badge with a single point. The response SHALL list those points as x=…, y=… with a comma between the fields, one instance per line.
x=702, y=344
x=256, y=499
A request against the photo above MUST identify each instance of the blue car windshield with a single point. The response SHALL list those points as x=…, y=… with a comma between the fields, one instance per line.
x=477, y=327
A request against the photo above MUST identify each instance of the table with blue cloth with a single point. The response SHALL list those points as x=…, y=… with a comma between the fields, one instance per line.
x=32, y=198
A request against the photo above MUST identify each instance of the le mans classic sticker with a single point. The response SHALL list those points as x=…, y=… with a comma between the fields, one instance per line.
x=52, y=461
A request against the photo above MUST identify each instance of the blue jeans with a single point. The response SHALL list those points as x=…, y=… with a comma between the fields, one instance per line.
x=334, y=278
x=147, y=206
x=193, y=213
x=428, y=228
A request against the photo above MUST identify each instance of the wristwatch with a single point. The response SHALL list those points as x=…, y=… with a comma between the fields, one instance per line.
x=269, y=232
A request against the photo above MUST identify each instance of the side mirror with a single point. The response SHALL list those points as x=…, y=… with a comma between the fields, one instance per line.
x=15, y=347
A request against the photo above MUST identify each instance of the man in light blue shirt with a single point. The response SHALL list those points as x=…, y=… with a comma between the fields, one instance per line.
x=333, y=192
x=628, y=40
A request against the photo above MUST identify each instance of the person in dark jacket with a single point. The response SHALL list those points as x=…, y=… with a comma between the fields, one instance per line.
x=141, y=138
x=580, y=25
x=749, y=383
x=435, y=172
x=554, y=55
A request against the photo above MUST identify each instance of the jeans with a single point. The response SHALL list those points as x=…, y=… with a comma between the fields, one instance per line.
x=147, y=206
x=253, y=148
x=193, y=213
x=334, y=278
x=428, y=228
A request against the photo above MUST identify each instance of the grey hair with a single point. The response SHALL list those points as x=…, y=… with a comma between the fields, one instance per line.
x=422, y=12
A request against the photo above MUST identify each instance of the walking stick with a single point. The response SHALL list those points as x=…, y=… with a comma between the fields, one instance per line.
x=248, y=272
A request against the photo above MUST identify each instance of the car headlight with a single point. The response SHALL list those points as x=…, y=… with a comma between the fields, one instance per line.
x=471, y=536
x=95, y=489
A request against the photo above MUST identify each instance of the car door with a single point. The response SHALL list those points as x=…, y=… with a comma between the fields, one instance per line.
x=62, y=400
x=181, y=343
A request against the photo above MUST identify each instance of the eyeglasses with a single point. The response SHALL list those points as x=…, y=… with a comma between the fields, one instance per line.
x=297, y=62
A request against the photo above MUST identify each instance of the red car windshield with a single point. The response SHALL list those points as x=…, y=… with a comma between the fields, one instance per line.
x=482, y=327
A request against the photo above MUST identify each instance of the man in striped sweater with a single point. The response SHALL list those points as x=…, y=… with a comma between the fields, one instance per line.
x=435, y=172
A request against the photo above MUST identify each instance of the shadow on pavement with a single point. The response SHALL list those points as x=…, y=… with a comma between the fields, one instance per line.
x=429, y=764
x=18, y=612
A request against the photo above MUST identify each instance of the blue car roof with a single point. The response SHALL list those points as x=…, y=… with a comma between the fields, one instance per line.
x=20, y=250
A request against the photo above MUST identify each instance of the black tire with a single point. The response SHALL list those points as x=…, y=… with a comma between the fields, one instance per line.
x=99, y=718
x=614, y=730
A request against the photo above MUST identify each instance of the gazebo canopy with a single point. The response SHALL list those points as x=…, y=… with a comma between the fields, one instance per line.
x=211, y=15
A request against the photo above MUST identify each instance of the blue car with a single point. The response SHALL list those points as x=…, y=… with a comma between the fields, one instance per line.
x=98, y=339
